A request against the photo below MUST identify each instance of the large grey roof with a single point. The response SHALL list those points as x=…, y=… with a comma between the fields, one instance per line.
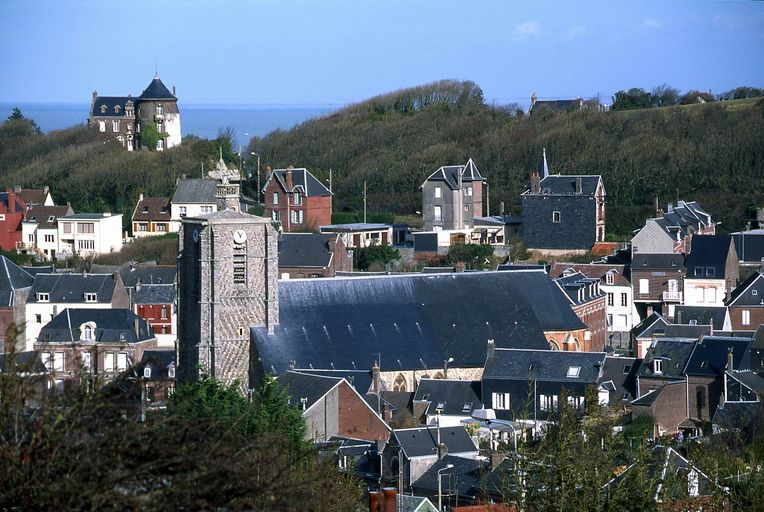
x=458, y=397
x=750, y=292
x=684, y=218
x=450, y=174
x=154, y=294
x=750, y=245
x=463, y=479
x=709, y=357
x=308, y=184
x=642, y=261
x=195, y=191
x=22, y=362
x=12, y=278
x=622, y=372
x=413, y=320
x=544, y=365
x=112, y=325
x=701, y=315
x=708, y=251
x=674, y=353
x=71, y=288
x=305, y=250
x=306, y=386
x=422, y=441
x=46, y=216
x=156, y=90
x=147, y=274
x=110, y=102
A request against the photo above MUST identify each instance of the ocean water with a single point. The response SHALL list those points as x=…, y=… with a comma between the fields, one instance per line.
x=201, y=120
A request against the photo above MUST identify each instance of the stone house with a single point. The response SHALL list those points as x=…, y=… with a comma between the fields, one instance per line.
x=452, y=197
x=98, y=344
x=297, y=200
x=120, y=118
x=563, y=213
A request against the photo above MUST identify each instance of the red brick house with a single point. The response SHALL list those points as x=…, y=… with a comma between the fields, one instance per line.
x=332, y=407
x=297, y=200
x=588, y=302
x=12, y=210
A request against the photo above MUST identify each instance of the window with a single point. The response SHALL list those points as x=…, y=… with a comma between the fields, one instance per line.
x=297, y=198
x=626, y=369
x=207, y=208
x=117, y=108
x=101, y=126
x=160, y=127
x=87, y=361
x=58, y=362
x=574, y=372
x=548, y=402
x=49, y=239
x=91, y=297
x=276, y=216
x=115, y=126
x=164, y=312
x=122, y=336
x=400, y=383
x=160, y=110
x=437, y=192
x=467, y=407
x=43, y=297
x=746, y=317
x=609, y=278
x=67, y=227
x=576, y=401
x=161, y=228
x=624, y=299
x=468, y=190
x=38, y=319
x=466, y=208
x=556, y=217
x=86, y=228
x=87, y=333
x=45, y=358
x=275, y=198
x=171, y=372
x=438, y=213
x=658, y=366
x=710, y=272
x=610, y=301
x=610, y=320
x=122, y=361
x=143, y=226
x=644, y=286
x=239, y=265
x=160, y=144
x=182, y=211
x=86, y=245
x=31, y=237
x=296, y=216
x=440, y=407
x=147, y=373
x=108, y=361
x=500, y=401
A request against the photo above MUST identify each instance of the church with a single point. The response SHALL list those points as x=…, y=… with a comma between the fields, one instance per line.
x=122, y=118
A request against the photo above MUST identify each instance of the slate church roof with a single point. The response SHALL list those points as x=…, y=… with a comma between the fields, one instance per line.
x=413, y=320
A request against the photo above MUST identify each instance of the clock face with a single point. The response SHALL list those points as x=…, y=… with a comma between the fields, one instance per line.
x=195, y=235
x=239, y=236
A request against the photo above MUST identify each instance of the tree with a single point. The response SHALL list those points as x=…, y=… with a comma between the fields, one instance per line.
x=150, y=136
x=473, y=256
x=634, y=98
x=664, y=96
x=693, y=97
x=380, y=254
x=18, y=126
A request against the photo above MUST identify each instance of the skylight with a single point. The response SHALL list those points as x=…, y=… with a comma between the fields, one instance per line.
x=574, y=371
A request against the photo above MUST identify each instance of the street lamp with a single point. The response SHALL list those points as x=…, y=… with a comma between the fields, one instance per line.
x=440, y=486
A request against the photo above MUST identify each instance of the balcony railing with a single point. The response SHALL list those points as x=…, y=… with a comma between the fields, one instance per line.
x=672, y=296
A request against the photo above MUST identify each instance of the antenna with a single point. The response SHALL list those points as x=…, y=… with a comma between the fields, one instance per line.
x=156, y=68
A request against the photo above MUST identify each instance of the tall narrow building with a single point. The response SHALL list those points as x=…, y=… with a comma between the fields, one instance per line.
x=227, y=282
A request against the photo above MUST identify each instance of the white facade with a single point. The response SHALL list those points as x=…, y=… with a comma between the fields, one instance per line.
x=619, y=307
x=39, y=313
x=172, y=129
x=90, y=233
x=180, y=210
x=704, y=292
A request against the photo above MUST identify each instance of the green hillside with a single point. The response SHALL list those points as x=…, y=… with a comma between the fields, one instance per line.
x=712, y=152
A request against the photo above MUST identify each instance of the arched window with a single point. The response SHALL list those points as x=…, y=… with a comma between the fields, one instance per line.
x=87, y=333
x=400, y=383
x=553, y=345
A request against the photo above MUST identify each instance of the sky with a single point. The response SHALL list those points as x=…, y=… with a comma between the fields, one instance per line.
x=336, y=52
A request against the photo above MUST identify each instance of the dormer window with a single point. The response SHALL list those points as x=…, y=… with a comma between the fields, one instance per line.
x=171, y=371
x=43, y=297
x=573, y=372
x=609, y=278
x=122, y=336
x=467, y=407
x=710, y=272
x=52, y=218
x=103, y=109
x=556, y=217
x=698, y=272
x=117, y=108
x=441, y=407
x=658, y=366
x=145, y=209
x=147, y=373
x=87, y=331
x=91, y=297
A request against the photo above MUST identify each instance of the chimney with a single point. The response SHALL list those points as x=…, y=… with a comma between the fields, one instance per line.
x=376, y=501
x=140, y=198
x=579, y=185
x=501, y=208
x=491, y=348
x=289, y=178
x=95, y=94
x=730, y=360
x=535, y=183
x=375, y=377
x=45, y=189
x=390, y=495
x=670, y=207
x=533, y=99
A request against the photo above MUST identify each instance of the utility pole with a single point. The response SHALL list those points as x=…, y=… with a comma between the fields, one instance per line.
x=488, y=199
x=364, y=202
x=330, y=179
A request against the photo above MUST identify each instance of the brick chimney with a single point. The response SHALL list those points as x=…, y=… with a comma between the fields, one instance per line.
x=579, y=185
x=289, y=178
x=535, y=183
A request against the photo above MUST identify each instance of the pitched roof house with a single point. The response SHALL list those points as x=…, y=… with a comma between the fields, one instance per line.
x=712, y=270
x=35, y=196
x=12, y=211
x=15, y=283
x=746, y=303
x=672, y=231
x=192, y=197
x=563, y=213
x=312, y=255
x=657, y=283
x=452, y=197
x=39, y=230
x=152, y=216
x=297, y=199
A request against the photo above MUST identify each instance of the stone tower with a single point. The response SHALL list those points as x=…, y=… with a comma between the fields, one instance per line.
x=227, y=282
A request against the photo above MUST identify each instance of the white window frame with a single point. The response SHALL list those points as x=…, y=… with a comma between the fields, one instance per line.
x=556, y=217
x=121, y=361
x=573, y=372
x=297, y=199
x=46, y=357
x=102, y=126
x=468, y=191
x=182, y=211
x=91, y=297
x=87, y=361
x=275, y=198
x=59, y=363
x=109, y=361
x=658, y=366
x=624, y=299
x=548, y=402
x=437, y=192
x=500, y=401
x=576, y=401
x=115, y=125
x=746, y=317
x=437, y=213
x=147, y=372
x=43, y=297
x=644, y=286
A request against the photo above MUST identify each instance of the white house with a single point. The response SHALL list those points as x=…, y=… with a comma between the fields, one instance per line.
x=39, y=230
x=89, y=234
x=192, y=197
